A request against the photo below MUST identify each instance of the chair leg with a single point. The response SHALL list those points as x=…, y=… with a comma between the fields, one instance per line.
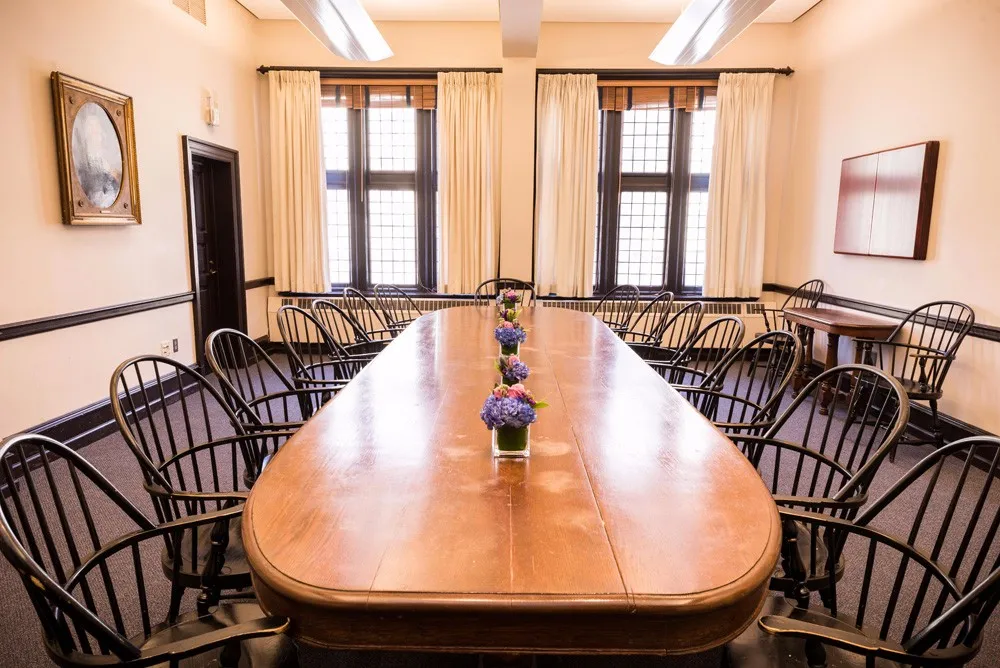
x=230, y=656
x=176, y=594
x=815, y=653
x=936, y=433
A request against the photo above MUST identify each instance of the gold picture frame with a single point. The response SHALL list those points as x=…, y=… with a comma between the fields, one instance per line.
x=95, y=140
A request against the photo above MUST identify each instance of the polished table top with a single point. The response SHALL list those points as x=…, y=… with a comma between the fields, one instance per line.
x=836, y=321
x=634, y=526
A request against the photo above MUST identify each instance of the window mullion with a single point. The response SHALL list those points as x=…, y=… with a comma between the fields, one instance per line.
x=680, y=160
x=425, y=195
x=356, y=180
x=610, y=195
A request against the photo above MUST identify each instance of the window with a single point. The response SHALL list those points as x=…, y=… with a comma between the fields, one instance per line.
x=653, y=198
x=381, y=185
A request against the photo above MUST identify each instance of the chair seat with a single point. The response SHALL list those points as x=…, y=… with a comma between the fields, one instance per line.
x=917, y=390
x=235, y=572
x=272, y=652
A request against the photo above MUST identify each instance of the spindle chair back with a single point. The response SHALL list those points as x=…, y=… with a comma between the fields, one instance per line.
x=924, y=576
x=88, y=557
x=363, y=312
x=704, y=353
x=648, y=327
x=487, y=291
x=615, y=309
x=743, y=394
x=256, y=388
x=398, y=310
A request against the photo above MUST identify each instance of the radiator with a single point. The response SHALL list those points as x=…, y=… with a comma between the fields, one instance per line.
x=751, y=313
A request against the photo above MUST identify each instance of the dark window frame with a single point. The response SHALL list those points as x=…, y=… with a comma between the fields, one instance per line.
x=612, y=182
x=358, y=179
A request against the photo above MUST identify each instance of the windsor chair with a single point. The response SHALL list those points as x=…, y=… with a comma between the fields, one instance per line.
x=90, y=586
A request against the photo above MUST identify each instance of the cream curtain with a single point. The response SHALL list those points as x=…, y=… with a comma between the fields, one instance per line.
x=566, y=184
x=734, y=237
x=468, y=179
x=298, y=183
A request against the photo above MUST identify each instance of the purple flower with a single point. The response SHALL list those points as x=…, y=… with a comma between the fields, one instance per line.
x=507, y=412
x=512, y=369
x=510, y=336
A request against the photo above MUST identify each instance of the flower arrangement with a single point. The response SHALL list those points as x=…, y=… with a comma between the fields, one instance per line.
x=512, y=369
x=508, y=299
x=508, y=314
x=510, y=335
x=508, y=412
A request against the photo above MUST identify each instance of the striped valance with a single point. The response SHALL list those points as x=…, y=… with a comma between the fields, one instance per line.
x=669, y=96
x=422, y=96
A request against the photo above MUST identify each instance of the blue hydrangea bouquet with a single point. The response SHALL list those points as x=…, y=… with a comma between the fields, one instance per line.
x=511, y=369
x=509, y=412
x=510, y=335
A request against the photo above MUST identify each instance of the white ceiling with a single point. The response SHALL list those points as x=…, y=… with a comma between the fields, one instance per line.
x=590, y=11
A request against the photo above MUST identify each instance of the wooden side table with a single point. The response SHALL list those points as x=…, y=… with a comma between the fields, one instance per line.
x=835, y=323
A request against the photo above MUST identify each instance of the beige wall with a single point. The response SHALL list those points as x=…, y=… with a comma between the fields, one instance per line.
x=166, y=61
x=873, y=75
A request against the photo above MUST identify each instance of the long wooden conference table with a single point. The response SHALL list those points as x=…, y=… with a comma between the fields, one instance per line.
x=634, y=527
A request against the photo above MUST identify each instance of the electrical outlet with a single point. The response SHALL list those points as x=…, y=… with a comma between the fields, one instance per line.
x=165, y=348
x=177, y=346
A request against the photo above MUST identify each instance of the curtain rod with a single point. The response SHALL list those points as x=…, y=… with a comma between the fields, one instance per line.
x=375, y=72
x=676, y=74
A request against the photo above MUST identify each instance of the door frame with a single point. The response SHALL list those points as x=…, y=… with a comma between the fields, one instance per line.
x=193, y=148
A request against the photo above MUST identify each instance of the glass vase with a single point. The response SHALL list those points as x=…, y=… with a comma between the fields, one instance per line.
x=512, y=441
x=507, y=380
x=510, y=350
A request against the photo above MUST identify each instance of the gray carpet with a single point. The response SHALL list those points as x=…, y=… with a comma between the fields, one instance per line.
x=20, y=642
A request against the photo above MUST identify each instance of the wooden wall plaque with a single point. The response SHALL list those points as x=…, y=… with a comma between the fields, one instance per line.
x=884, y=207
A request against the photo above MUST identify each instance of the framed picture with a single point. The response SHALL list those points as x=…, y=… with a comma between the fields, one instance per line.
x=95, y=139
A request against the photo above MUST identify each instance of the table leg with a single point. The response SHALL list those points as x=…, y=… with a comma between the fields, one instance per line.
x=805, y=338
x=826, y=392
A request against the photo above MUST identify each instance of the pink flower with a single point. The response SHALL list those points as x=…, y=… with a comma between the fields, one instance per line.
x=516, y=391
x=513, y=359
x=508, y=325
x=498, y=391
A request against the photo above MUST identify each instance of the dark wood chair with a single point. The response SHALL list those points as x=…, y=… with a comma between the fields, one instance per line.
x=398, y=310
x=647, y=328
x=83, y=553
x=487, y=291
x=704, y=354
x=919, y=353
x=316, y=360
x=924, y=576
x=825, y=463
x=743, y=394
x=677, y=333
x=345, y=330
x=806, y=295
x=615, y=309
x=195, y=458
x=363, y=312
x=256, y=388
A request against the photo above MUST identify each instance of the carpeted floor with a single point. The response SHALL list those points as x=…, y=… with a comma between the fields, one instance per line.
x=20, y=635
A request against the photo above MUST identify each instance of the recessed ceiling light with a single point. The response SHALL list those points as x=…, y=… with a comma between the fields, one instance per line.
x=343, y=26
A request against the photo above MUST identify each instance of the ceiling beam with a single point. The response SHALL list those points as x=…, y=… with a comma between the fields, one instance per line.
x=520, y=23
x=705, y=28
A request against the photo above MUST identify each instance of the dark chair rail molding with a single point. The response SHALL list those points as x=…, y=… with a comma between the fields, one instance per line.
x=988, y=332
x=258, y=283
x=16, y=330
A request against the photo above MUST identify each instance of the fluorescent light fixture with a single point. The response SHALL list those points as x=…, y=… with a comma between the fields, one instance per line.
x=343, y=26
x=705, y=28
